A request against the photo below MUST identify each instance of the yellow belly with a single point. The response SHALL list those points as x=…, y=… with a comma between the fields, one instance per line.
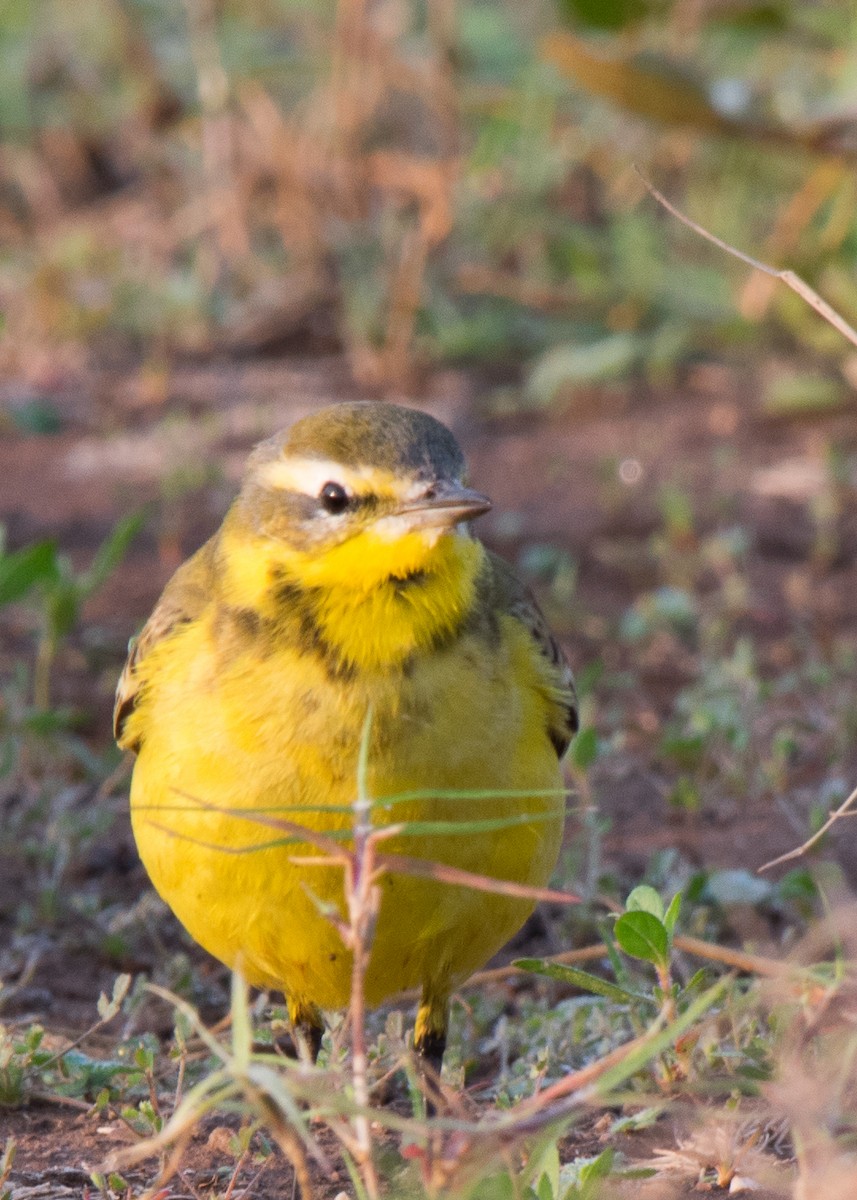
x=271, y=733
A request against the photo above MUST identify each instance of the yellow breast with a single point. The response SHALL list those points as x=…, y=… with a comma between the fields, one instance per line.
x=240, y=724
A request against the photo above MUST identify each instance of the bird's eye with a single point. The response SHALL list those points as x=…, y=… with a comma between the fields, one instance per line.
x=334, y=498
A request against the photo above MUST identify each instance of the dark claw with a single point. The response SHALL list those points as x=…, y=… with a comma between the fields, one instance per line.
x=308, y=1037
x=430, y=1048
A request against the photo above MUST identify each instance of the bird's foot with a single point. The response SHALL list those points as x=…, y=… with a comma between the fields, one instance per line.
x=430, y=1047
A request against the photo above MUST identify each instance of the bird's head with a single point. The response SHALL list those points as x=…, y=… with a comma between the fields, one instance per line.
x=359, y=492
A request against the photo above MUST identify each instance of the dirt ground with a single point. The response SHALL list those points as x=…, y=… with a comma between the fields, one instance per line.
x=584, y=481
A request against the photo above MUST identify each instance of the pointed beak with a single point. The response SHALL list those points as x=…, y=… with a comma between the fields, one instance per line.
x=444, y=504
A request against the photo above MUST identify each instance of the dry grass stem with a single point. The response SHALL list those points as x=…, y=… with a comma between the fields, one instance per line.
x=789, y=278
x=799, y=851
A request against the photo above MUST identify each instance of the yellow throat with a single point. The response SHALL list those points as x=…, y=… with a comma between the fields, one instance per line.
x=373, y=601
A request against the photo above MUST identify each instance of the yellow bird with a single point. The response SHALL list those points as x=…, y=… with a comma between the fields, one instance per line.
x=345, y=581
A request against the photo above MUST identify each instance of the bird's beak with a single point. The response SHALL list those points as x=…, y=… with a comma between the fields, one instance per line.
x=442, y=505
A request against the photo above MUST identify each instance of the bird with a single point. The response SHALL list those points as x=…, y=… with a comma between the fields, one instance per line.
x=345, y=592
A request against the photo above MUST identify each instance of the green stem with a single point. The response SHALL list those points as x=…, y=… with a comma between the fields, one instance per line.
x=45, y=654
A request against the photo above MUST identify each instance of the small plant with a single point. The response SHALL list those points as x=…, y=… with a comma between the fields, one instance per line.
x=644, y=932
x=28, y=1067
x=582, y=1180
x=60, y=591
x=21, y=1062
x=679, y=528
x=112, y=1186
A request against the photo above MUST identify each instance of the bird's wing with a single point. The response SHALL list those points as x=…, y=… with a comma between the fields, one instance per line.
x=519, y=602
x=183, y=599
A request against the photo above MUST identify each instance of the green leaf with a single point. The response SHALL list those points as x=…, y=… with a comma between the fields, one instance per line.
x=545, y=1189
x=63, y=608
x=672, y=914
x=642, y=1118
x=580, y=979
x=580, y=1179
x=21, y=571
x=652, y=86
x=587, y=678
x=620, y=969
x=799, y=395
x=798, y=885
x=645, y=899
x=565, y=367
x=764, y=18
x=685, y=795
x=86, y=1075
x=584, y=749
x=469, y=828
x=685, y=749
x=605, y=14
x=544, y=1170
x=144, y=1058
x=494, y=1187
x=44, y=722
x=599, y=1168
x=39, y=416
x=696, y=980
x=643, y=936
x=676, y=510
x=107, y=1009
x=111, y=552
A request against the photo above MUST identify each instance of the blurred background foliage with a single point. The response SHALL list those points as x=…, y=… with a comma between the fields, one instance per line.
x=189, y=186
x=425, y=182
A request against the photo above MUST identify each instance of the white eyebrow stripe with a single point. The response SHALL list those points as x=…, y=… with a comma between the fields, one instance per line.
x=309, y=475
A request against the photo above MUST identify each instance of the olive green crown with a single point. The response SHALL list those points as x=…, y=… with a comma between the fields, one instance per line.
x=370, y=433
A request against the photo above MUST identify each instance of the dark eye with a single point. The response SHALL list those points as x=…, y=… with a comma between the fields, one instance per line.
x=334, y=498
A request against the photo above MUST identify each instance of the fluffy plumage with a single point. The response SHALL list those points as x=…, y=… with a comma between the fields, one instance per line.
x=343, y=579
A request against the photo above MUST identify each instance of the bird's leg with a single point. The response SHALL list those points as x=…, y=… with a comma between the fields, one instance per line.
x=430, y=1050
x=308, y=1036
x=430, y=1043
x=307, y=1029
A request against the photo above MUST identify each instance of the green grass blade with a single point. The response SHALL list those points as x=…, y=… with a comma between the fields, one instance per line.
x=581, y=979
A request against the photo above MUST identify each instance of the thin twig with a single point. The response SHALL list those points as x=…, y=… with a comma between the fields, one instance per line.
x=752, y=964
x=45, y=1097
x=799, y=851
x=337, y=854
x=123, y=982
x=499, y=974
x=789, y=278
x=443, y=873
x=363, y=898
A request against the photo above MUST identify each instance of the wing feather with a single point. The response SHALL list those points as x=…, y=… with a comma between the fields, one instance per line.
x=183, y=600
x=519, y=602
